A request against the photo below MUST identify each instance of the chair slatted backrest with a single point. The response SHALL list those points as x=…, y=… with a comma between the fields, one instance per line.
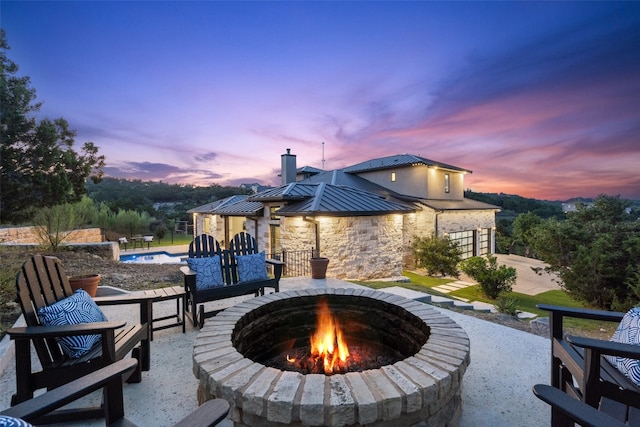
x=42, y=281
x=204, y=245
x=241, y=244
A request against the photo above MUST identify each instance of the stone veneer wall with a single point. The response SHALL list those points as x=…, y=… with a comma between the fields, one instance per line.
x=366, y=247
x=451, y=221
x=423, y=223
x=29, y=236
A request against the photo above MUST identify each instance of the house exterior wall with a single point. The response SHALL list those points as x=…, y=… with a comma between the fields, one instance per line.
x=423, y=223
x=419, y=181
x=360, y=248
x=410, y=180
x=452, y=221
x=436, y=187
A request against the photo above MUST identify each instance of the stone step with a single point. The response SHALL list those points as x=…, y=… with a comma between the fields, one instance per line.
x=445, y=302
x=484, y=307
x=460, y=304
x=463, y=305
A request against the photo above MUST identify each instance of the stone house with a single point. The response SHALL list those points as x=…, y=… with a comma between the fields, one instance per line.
x=363, y=217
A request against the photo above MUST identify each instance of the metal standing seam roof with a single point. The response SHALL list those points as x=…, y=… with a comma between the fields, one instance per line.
x=333, y=200
x=453, y=205
x=242, y=208
x=210, y=207
x=399, y=160
x=293, y=191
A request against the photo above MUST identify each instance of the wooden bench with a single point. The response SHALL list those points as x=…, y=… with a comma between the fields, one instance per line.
x=578, y=367
x=206, y=246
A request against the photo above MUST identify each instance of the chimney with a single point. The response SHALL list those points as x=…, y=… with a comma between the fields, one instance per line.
x=288, y=167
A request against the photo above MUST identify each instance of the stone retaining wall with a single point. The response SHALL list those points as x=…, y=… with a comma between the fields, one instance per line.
x=29, y=236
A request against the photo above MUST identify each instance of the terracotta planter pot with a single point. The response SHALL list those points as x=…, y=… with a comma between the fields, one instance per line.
x=88, y=282
x=319, y=267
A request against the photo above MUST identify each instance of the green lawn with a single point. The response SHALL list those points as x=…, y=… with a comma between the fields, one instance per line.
x=524, y=302
x=418, y=283
x=177, y=239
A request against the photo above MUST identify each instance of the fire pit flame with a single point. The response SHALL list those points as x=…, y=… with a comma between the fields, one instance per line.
x=327, y=344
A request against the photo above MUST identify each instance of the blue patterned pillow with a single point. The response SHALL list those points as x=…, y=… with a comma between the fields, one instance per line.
x=252, y=267
x=78, y=308
x=13, y=422
x=208, y=272
x=628, y=332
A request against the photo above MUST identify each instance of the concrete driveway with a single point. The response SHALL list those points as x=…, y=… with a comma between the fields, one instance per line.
x=532, y=279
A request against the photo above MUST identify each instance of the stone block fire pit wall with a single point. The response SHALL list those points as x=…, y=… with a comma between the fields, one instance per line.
x=421, y=385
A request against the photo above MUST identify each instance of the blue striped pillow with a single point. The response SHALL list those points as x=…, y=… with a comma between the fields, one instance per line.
x=628, y=332
x=73, y=310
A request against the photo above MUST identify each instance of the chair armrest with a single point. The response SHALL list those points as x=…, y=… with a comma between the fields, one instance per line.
x=606, y=347
x=278, y=266
x=47, y=402
x=578, y=411
x=583, y=313
x=208, y=414
x=187, y=271
x=32, y=332
x=144, y=301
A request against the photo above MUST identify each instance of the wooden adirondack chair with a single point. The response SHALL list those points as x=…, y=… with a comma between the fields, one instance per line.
x=42, y=409
x=610, y=413
x=41, y=282
x=578, y=367
x=204, y=246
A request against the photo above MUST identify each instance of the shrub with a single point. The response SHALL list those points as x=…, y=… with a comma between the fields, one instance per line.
x=507, y=306
x=437, y=255
x=56, y=225
x=493, y=279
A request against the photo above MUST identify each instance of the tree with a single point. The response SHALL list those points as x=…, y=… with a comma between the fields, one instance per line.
x=595, y=252
x=524, y=227
x=493, y=279
x=438, y=256
x=39, y=166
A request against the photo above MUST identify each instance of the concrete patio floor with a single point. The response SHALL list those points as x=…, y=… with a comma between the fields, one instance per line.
x=505, y=364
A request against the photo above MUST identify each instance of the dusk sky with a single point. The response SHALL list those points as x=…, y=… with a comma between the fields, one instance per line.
x=539, y=99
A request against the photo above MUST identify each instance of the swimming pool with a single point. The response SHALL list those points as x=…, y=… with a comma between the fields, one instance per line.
x=154, y=258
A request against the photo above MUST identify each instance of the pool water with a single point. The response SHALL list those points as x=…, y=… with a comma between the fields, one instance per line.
x=154, y=258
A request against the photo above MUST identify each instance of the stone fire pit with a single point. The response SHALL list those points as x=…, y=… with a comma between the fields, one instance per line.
x=422, y=387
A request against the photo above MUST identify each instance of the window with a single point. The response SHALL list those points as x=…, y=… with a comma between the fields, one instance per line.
x=393, y=177
x=447, y=183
